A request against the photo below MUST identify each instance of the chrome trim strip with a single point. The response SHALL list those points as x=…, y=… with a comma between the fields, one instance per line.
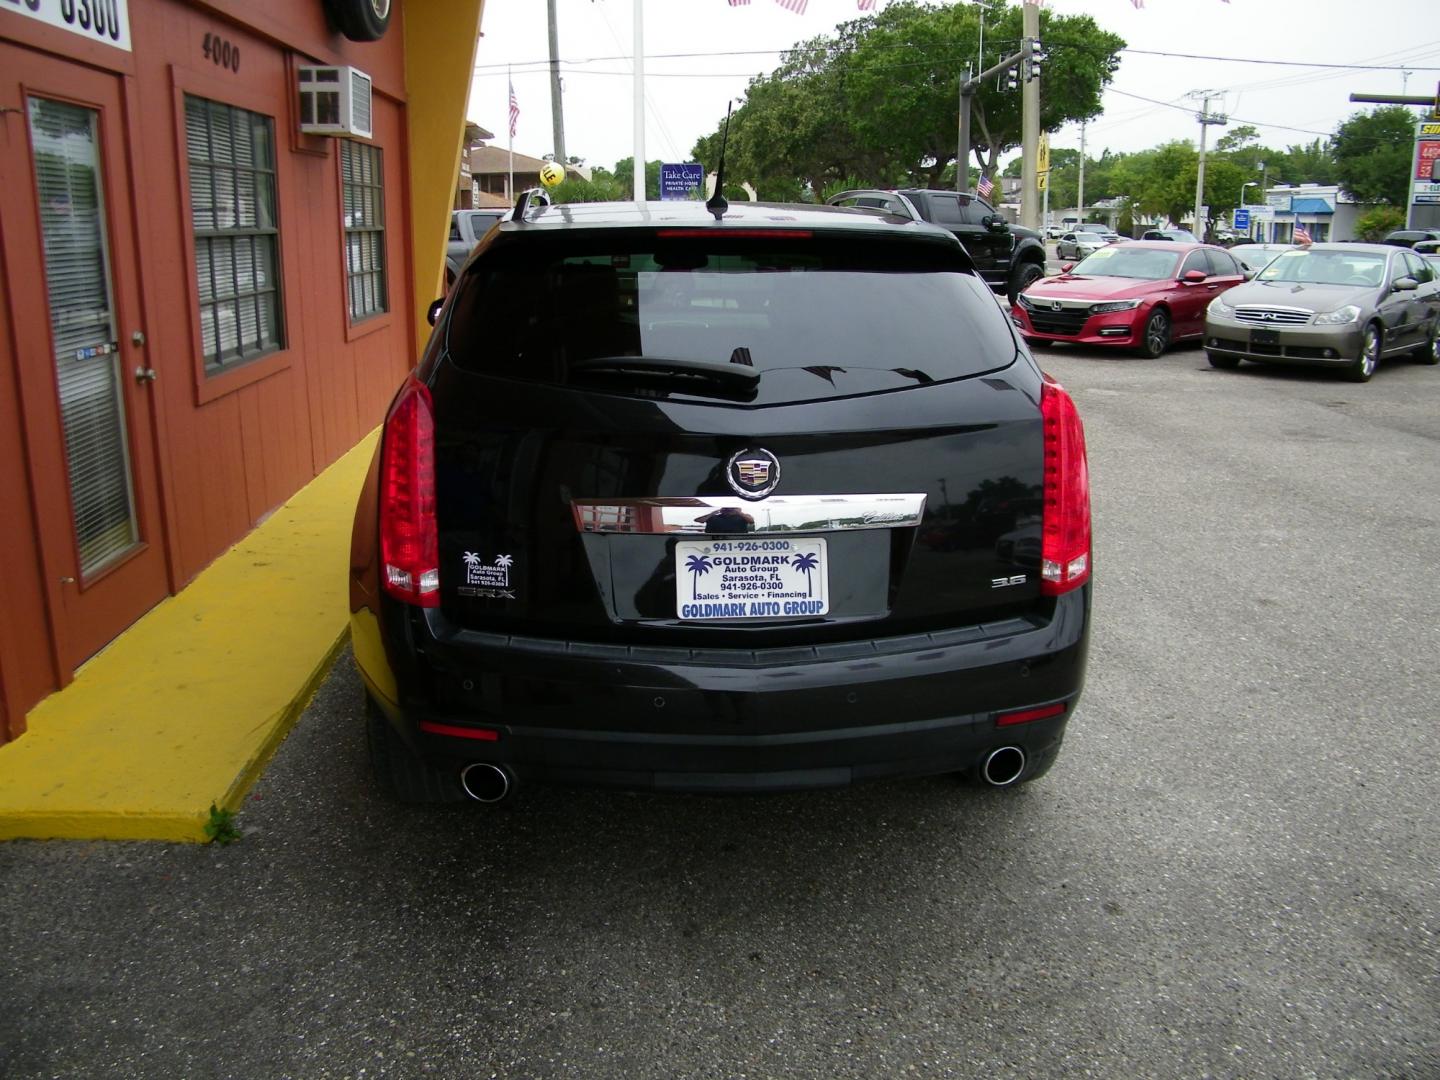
x=777, y=514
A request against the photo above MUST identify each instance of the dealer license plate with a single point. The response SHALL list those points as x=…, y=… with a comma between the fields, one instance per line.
x=1264, y=337
x=751, y=579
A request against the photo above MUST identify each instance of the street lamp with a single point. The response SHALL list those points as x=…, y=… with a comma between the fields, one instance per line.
x=1248, y=183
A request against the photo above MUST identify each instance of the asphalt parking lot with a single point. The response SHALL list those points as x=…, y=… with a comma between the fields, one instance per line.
x=1231, y=871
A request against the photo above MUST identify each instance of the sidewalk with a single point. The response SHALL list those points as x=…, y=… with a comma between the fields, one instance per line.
x=185, y=708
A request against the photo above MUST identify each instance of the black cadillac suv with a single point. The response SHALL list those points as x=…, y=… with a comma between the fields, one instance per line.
x=760, y=501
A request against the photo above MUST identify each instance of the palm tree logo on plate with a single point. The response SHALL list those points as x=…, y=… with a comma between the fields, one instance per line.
x=504, y=562
x=696, y=565
x=806, y=563
x=472, y=564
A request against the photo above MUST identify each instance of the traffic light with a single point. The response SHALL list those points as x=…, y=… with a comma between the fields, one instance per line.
x=1012, y=79
x=1037, y=59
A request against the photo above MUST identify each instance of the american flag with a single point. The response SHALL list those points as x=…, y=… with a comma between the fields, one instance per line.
x=514, y=110
x=1302, y=235
x=797, y=6
x=866, y=5
x=985, y=186
x=739, y=3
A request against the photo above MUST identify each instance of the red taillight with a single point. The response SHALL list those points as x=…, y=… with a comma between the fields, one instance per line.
x=1024, y=716
x=409, y=541
x=1065, y=531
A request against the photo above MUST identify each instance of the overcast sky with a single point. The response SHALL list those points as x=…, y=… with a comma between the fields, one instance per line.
x=686, y=94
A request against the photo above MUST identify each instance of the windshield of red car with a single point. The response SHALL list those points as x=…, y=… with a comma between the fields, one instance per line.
x=1143, y=263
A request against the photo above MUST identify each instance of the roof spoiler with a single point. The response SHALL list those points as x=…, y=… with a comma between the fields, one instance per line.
x=892, y=199
x=528, y=196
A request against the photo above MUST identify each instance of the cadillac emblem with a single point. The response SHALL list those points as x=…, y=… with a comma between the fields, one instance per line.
x=753, y=474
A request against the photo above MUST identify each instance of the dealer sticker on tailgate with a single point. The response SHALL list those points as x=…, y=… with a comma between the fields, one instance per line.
x=751, y=579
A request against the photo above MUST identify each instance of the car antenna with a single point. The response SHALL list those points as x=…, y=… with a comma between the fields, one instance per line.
x=716, y=204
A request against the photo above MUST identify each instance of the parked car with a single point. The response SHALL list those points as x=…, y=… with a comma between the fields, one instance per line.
x=1110, y=236
x=1341, y=306
x=1007, y=256
x=1180, y=236
x=1410, y=237
x=1076, y=245
x=1140, y=295
x=467, y=227
x=1255, y=257
x=1054, y=232
x=653, y=493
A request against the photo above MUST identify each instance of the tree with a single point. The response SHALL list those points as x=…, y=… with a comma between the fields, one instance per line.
x=1372, y=155
x=878, y=100
x=1375, y=224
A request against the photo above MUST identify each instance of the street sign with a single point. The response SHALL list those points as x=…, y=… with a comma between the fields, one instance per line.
x=1242, y=219
x=679, y=181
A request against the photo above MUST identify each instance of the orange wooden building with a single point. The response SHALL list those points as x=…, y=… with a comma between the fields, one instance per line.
x=204, y=305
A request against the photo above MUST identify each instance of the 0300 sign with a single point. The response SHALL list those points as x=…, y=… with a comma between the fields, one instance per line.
x=99, y=20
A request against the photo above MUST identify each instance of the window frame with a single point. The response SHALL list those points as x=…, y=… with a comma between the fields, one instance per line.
x=211, y=385
x=374, y=320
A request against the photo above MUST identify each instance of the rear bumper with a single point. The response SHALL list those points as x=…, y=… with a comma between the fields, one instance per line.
x=741, y=720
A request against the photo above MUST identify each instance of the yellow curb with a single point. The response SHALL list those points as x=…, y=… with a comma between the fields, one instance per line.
x=186, y=707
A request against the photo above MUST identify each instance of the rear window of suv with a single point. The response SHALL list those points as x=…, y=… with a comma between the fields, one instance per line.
x=815, y=316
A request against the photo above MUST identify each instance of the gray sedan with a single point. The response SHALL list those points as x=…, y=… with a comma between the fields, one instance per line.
x=1343, y=306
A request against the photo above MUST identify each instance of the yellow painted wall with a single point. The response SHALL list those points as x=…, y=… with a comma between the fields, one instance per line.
x=440, y=41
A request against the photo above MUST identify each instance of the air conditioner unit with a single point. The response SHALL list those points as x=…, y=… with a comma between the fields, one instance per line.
x=335, y=101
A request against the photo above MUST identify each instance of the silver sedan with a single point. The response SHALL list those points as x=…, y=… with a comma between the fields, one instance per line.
x=1076, y=245
x=1343, y=306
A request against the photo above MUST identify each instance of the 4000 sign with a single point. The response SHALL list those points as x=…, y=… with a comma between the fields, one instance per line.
x=106, y=21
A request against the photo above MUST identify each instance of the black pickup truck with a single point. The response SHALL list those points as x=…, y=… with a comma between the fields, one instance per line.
x=1009, y=257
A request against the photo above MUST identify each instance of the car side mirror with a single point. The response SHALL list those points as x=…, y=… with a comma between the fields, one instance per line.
x=996, y=224
x=1067, y=267
x=1193, y=277
x=1404, y=284
x=433, y=312
x=1249, y=274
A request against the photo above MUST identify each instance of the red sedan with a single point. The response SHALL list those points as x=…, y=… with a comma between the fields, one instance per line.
x=1141, y=295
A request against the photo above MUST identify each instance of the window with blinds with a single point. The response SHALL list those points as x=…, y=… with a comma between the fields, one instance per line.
x=231, y=156
x=82, y=325
x=363, y=182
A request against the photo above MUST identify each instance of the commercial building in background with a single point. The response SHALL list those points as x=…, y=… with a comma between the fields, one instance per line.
x=218, y=223
x=1326, y=211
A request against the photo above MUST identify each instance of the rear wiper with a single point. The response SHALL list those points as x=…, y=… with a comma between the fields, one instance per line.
x=670, y=368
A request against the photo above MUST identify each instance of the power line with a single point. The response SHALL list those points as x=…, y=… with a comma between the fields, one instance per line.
x=1279, y=63
x=914, y=45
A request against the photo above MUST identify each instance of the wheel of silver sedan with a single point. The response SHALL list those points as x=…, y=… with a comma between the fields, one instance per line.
x=1429, y=352
x=1364, y=365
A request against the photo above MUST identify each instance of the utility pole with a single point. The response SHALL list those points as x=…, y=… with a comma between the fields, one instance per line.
x=962, y=147
x=1206, y=119
x=1264, y=201
x=638, y=173
x=557, y=108
x=1030, y=118
x=1080, y=194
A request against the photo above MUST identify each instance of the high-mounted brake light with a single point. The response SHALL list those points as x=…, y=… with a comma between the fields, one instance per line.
x=1065, y=522
x=409, y=540
x=711, y=232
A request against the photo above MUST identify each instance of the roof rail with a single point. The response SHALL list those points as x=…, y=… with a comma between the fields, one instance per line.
x=528, y=196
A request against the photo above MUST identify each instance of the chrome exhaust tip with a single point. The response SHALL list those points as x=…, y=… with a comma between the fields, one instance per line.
x=486, y=783
x=1003, y=767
